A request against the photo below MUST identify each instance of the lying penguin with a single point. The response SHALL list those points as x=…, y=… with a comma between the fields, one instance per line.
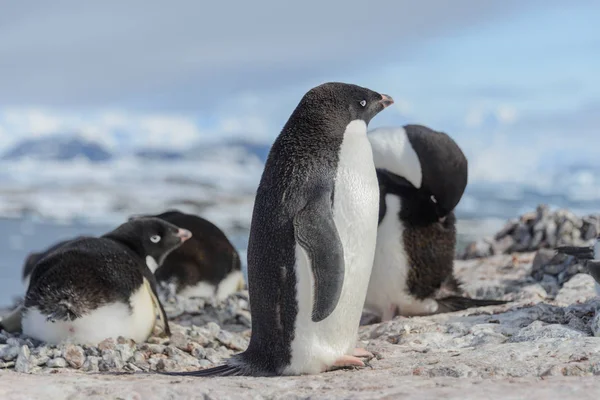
x=589, y=255
x=422, y=175
x=91, y=289
x=207, y=265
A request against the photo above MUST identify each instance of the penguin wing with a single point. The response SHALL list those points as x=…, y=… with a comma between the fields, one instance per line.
x=150, y=283
x=317, y=234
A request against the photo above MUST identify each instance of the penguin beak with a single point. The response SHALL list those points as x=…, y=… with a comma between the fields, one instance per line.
x=386, y=100
x=184, y=234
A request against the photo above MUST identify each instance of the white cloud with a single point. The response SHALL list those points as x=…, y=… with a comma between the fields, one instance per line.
x=506, y=114
x=503, y=114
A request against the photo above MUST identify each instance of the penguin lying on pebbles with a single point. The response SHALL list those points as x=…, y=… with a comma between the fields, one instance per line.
x=422, y=176
x=91, y=289
x=590, y=255
x=312, y=238
x=207, y=265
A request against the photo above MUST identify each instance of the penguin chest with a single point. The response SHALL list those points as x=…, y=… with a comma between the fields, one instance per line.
x=317, y=345
x=355, y=212
x=388, y=293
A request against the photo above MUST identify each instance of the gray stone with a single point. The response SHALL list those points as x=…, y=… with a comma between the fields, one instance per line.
x=91, y=364
x=57, y=363
x=9, y=353
x=23, y=363
x=539, y=329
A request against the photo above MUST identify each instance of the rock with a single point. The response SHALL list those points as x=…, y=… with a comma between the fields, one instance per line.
x=539, y=329
x=23, y=363
x=9, y=353
x=91, y=364
x=111, y=360
x=125, y=351
x=75, y=356
x=57, y=363
x=107, y=344
x=179, y=340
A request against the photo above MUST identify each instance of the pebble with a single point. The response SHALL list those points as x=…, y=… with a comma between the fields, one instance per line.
x=58, y=362
x=91, y=364
x=23, y=363
x=75, y=356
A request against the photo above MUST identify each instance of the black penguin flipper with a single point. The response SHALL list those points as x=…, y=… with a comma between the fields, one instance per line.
x=593, y=267
x=582, y=253
x=459, y=303
x=317, y=234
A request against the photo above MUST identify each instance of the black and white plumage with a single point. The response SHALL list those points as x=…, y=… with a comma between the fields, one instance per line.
x=312, y=238
x=422, y=175
x=589, y=255
x=90, y=289
x=206, y=265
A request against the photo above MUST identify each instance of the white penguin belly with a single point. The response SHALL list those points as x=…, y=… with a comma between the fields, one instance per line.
x=317, y=345
x=388, y=286
x=233, y=282
x=108, y=321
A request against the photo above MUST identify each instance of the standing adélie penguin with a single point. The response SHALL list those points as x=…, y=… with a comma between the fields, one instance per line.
x=91, y=289
x=312, y=238
x=422, y=176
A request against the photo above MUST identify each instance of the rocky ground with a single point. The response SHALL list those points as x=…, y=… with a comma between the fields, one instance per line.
x=542, y=345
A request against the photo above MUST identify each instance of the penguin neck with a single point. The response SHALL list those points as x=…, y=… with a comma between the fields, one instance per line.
x=131, y=242
x=417, y=210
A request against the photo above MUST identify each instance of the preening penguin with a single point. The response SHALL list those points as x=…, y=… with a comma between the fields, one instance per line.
x=90, y=289
x=206, y=265
x=312, y=238
x=422, y=175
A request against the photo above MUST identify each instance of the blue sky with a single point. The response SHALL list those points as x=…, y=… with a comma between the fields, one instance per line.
x=506, y=79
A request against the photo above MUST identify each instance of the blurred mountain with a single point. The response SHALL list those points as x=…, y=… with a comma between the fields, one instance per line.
x=58, y=148
x=157, y=154
x=233, y=150
x=71, y=147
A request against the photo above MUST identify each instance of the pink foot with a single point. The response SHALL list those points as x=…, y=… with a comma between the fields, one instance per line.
x=360, y=352
x=348, y=361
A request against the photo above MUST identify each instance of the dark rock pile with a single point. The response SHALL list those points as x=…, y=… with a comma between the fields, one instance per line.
x=541, y=229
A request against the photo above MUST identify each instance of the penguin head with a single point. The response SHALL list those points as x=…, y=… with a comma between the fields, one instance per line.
x=151, y=237
x=419, y=162
x=341, y=103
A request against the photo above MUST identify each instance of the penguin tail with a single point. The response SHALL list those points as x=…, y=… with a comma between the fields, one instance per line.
x=222, y=370
x=582, y=253
x=458, y=303
x=63, y=311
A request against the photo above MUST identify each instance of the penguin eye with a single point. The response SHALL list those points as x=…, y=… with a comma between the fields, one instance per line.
x=363, y=103
x=155, y=238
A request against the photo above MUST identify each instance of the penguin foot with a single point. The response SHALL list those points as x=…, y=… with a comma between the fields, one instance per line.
x=360, y=352
x=348, y=361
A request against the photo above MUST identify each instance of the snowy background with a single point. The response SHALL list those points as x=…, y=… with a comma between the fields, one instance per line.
x=111, y=109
